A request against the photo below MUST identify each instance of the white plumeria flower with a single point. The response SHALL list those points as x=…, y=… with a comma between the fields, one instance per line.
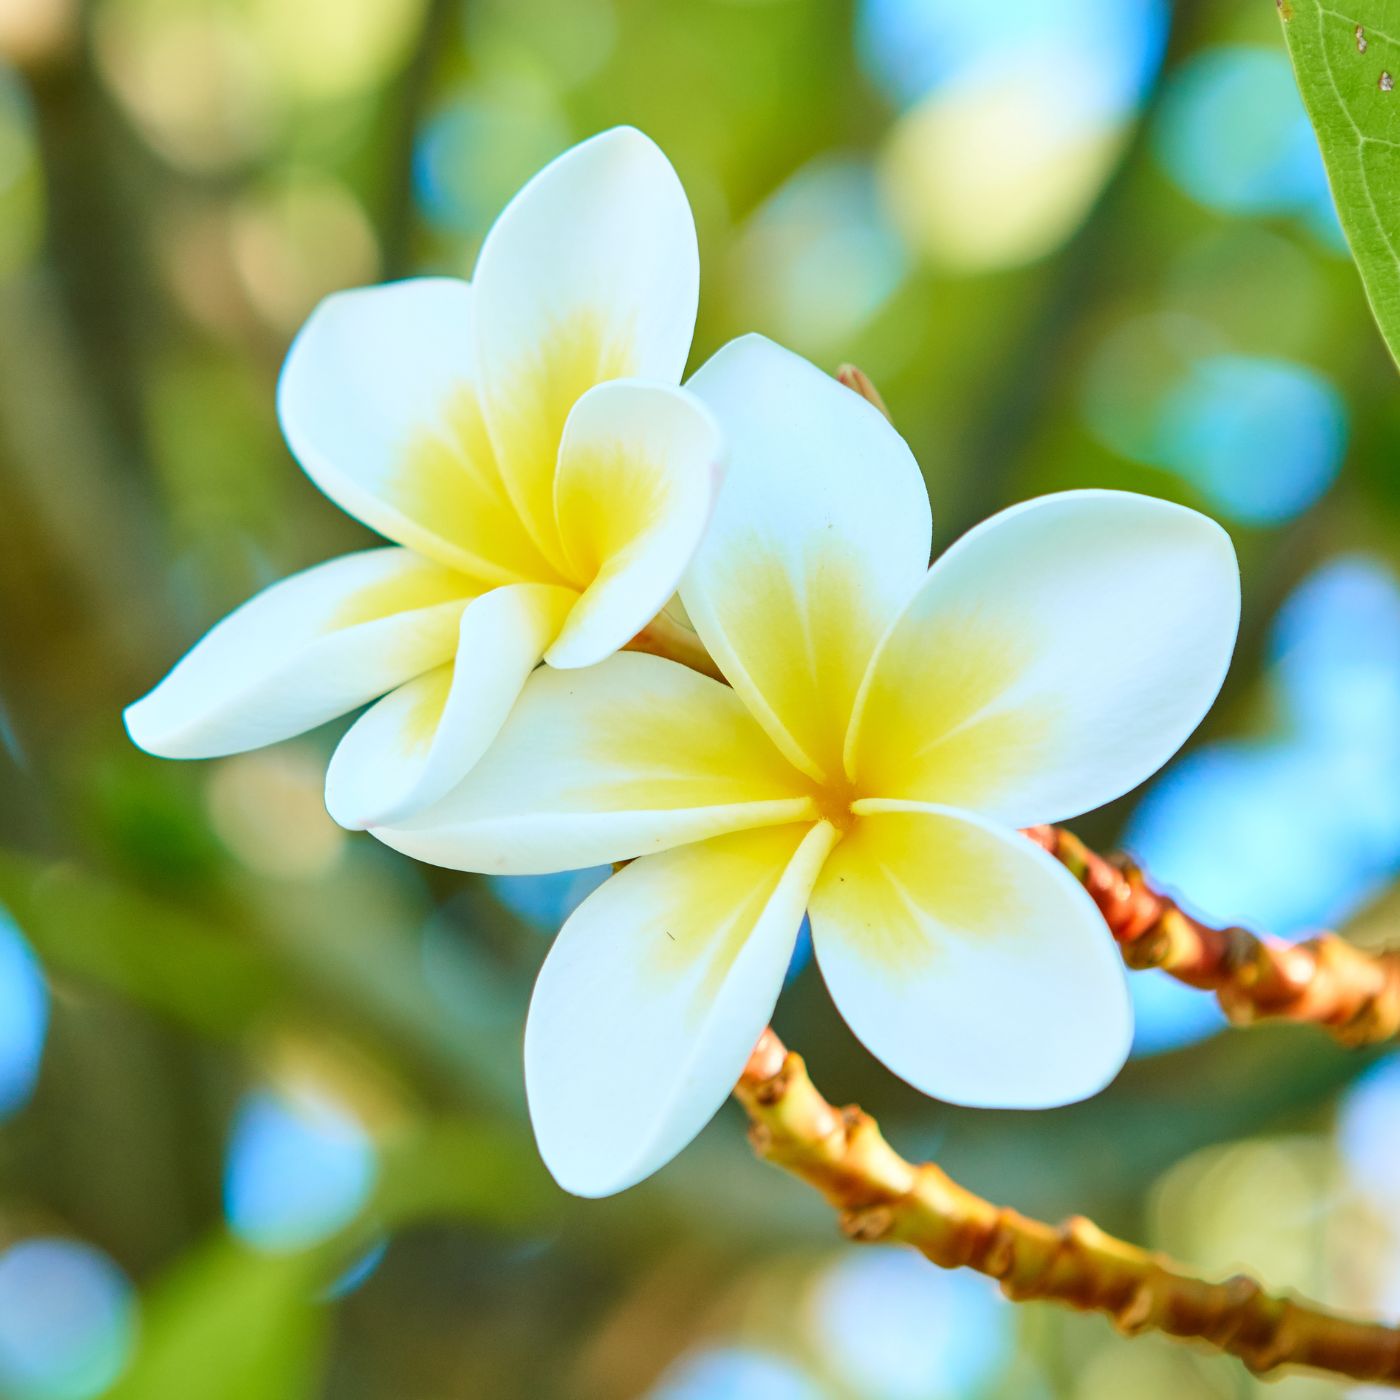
x=524, y=442
x=888, y=728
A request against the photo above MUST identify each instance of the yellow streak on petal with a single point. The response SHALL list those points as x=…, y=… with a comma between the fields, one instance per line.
x=420, y=723
x=719, y=889
x=940, y=722
x=527, y=418
x=804, y=637
x=902, y=883
x=610, y=497
x=705, y=753
x=449, y=481
x=422, y=584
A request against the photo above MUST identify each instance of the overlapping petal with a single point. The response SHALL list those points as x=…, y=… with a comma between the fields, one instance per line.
x=415, y=744
x=378, y=401
x=302, y=652
x=631, y=756
x=591, y=273
x=820, y=535
x=969, y=960
x=1055, y=657
x=638, y=469
x=653, y=996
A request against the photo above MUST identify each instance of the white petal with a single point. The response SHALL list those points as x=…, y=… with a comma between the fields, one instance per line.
x=1056, y=656
x=302, y=652
x=653, y=997
x=627, y=757
x=420, y=741
x=379, y=404
x=969, y=960
x=638, y=470
x=820, y=536
x=590, y=273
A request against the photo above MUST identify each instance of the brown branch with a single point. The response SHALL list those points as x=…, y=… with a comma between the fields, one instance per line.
x=1349, y=991
x=882, y=1197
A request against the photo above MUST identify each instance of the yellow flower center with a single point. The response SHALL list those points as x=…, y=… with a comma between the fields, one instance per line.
x=834, y=798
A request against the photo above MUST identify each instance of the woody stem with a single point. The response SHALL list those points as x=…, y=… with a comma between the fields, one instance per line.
x=1326, y=981
x=880, y=1196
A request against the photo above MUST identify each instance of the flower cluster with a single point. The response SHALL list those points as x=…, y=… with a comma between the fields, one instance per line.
x=885, y=728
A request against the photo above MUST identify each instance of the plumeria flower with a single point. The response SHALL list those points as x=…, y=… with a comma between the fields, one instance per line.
x=886, y=730
x=523, y=441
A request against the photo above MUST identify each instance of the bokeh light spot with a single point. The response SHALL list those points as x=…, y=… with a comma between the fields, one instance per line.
x=1335, y=652
x=326, y=49
x=268, y=808
x=192, y=79
x=299, y=1168
x=67, y=1320
x=1232, y=133
x=545, y=901
x=297, y=238
x=735, y=1373
x=1168, y=1014
x=358, y=1272
x=819, y=258
x=479, y=147
x=1296, y=831
x=1113, y=47
x=894, y=1326
x=1261, y=438
x=24, y=1018
x=1018, y=114
x=1369, y=1134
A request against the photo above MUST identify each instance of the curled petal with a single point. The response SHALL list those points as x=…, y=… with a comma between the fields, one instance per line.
x=417, y=743
x=638, y=470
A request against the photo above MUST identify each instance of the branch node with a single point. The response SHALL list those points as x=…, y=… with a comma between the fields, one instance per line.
x=1353, y=993
x=881, y=1197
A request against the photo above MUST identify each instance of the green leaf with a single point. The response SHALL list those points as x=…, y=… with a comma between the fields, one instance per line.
x=156, y=954
x=1347, y=62
x=229, y=1324
x=451, y=1169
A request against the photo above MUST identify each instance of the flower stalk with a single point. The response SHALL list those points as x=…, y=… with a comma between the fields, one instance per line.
x=664, y=636
x=1352, y=992
x=881, y=1197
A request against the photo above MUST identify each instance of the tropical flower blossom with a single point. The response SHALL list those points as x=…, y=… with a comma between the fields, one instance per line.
x=887, y=728
x=523, y=441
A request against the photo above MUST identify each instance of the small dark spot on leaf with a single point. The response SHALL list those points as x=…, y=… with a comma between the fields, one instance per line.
x=1361, y=38
x=1386, y=82
x=1285, y=10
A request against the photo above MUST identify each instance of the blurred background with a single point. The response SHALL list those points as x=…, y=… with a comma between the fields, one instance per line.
x=261, y=1120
